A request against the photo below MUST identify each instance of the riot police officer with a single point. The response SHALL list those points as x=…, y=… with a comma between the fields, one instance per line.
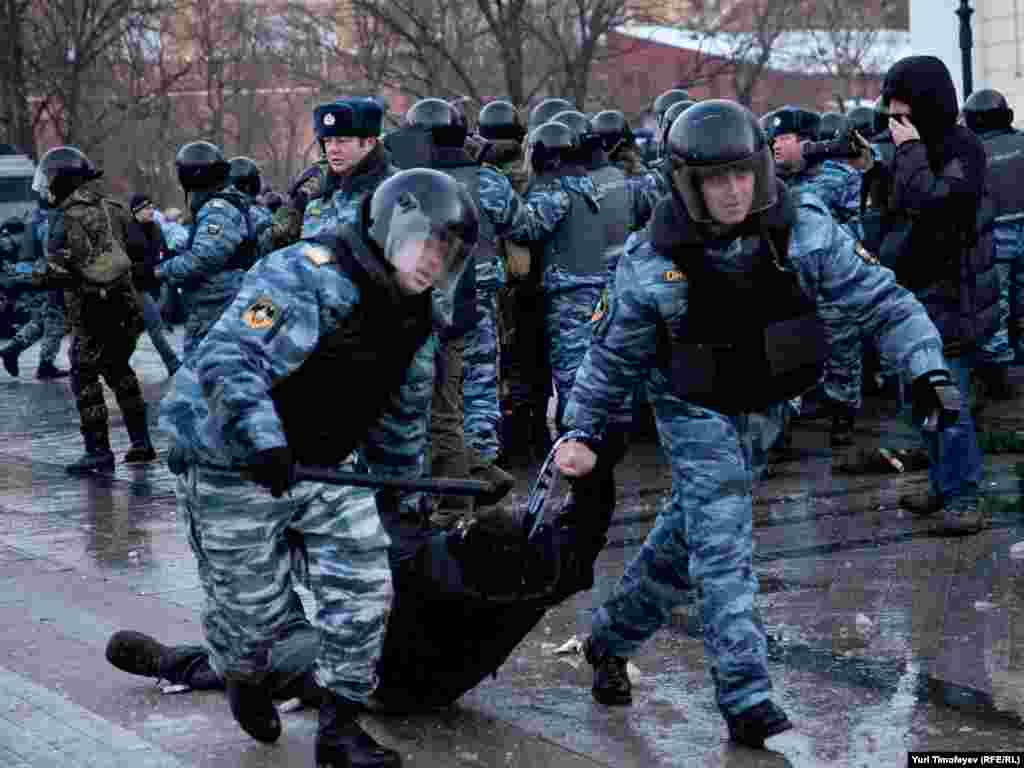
x=221, y=245
x=988, y=114
x=86, y=256
x=245, y=177
x=730, y=236
x=346, y=319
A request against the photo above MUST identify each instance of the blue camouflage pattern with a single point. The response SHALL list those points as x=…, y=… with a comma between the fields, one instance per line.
x=1004, y=346
x=45, y=309
x=481, y=405
x=839, y=187
x=262, y=228
x=218, y=413
x=340, y=201
x=703, y=538
x=203, y=274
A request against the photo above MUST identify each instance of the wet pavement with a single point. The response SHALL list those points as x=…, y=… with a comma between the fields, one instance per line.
x=883, y=638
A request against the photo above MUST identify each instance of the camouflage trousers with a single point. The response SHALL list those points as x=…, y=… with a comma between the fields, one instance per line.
x=703, y=538
x=47, y=323
x=1002, y=347
x=844, y=368
x=482, y=412
x=251, y=549
x=104, y=355
x=568, y=312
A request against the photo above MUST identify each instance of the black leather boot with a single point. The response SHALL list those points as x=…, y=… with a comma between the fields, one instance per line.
x=611, y=682
x=752, y=726
x=97, y=458
x=252, y=706
x=342, y=743
x=142, y=450
x=139, y=654
x=9, y=354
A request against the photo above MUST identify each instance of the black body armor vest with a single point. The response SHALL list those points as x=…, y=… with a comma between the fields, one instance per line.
x=332, y=401
x=775, y=349
x=1005, y=151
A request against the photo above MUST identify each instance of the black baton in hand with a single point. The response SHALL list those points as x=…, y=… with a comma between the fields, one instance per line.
x=446, y=485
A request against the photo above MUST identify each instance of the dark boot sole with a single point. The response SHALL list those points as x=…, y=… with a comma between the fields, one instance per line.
x=140, y=456
x=612, y=699
x=135, y=653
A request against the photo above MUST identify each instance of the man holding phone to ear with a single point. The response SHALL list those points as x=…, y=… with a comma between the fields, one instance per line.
x=939, y=242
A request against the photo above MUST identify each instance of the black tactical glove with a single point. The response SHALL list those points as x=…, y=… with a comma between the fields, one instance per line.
x=936, y=400
x=274, y=469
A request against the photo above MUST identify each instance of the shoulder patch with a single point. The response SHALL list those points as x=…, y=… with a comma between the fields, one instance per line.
x=865, y=255
x=317, y=254
x=261, y=314
x=674, y=276
x=213, y=229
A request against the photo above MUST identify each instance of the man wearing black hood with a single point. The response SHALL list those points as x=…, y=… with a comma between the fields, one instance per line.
x=939, y=243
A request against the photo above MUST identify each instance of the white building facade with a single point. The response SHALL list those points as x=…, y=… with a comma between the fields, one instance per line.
x=998, y=56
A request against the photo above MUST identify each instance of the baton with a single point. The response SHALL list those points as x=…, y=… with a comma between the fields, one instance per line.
x=446, y=485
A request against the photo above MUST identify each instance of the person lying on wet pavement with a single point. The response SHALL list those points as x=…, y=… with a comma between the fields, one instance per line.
x=493, y=578
x=729, y=235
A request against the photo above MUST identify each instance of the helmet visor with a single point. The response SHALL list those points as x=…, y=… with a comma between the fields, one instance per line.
x=40, y=183
x=426, y=255
x=688, y=180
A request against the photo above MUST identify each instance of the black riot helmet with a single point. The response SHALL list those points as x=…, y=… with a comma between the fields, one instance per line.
x=245, y=176
x=866, y=121
x=201, y=166
x=440, y=118
x=831, y=126
x=666, y=100
x=549, y=146
x=577, y=123
x=713, y=137
x=670, y=117
x=60, y=172
x=500, y=120
x=546, y=110
x=987, y=110
x=611, y=127
x=421, y=208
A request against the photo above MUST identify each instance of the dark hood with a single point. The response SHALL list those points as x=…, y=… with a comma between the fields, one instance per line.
x=925, y=84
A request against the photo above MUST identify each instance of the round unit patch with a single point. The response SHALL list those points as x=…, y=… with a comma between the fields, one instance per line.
x=261, y=314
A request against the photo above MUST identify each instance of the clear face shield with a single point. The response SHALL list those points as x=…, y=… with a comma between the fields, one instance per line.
x=424, y=255
x=41, y=184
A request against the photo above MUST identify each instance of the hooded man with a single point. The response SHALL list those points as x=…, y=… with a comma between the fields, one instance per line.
x=939, y=243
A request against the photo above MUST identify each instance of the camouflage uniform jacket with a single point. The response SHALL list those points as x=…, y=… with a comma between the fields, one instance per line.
x=79, y=234
x=838, y=185
x=206, y=273
x=339, y=200
x=651, y=292
x=220, y=410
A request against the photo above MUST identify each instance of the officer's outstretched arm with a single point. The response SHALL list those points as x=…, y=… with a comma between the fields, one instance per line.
x=269, y=330
x=624, y=345
x=539, y=215
x=850, y=286
x=220, y=229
